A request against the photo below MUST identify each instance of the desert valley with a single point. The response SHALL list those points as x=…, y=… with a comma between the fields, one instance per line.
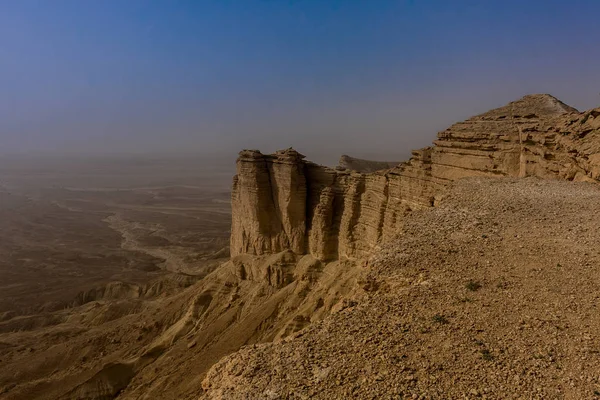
x=468, y=271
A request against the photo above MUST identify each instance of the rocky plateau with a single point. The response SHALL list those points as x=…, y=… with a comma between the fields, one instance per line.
x=482, y=287
x=371, y=280
x=282, y=202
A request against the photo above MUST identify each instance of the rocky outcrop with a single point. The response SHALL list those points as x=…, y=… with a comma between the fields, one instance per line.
x=269, y=197
x=463, y=305
x=282, y=202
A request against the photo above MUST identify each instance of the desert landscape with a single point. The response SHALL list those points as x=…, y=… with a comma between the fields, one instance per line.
x=119, y=233
x=298, y=200
x=467, y=271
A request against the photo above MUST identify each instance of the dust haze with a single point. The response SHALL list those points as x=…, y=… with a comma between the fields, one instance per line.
x=429, y=230
x=75, y=224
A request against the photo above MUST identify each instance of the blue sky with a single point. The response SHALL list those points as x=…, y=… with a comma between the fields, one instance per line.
x=359, y=77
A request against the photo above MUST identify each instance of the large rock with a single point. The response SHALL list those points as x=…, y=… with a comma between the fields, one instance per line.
x=269, y=203
x=282, y=202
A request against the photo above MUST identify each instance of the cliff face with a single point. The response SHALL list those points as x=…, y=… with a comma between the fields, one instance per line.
x=412, y=333
x=282, y=202
x=269, y=198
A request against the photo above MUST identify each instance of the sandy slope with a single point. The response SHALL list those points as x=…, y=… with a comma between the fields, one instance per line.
x=494, y=294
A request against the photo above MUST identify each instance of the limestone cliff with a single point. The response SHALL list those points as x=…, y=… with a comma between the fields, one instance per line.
x=269, y=197
x=281, y=201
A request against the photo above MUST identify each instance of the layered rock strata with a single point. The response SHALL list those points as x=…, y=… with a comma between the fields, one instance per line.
x=281, y=201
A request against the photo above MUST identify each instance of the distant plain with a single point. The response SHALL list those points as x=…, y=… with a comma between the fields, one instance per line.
x=70, y=225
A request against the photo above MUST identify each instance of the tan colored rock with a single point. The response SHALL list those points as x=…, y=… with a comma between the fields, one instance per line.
x=282, y=202
x=492, y=294
x=268, y=203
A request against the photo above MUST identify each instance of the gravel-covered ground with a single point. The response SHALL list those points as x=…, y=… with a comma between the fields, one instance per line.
x=494, y=294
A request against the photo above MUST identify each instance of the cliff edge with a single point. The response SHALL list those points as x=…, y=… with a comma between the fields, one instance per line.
x=492, y=294
x=281, y=201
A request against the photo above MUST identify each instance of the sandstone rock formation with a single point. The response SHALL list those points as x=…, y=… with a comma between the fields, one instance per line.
x=300, y=235
x=282, y=202
x=360, y=318
x=269, y=195
x=492, y=294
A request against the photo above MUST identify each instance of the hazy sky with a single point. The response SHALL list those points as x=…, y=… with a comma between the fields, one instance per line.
x=358, y=77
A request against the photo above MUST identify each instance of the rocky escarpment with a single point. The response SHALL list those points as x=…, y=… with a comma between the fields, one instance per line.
x=492, y=294
x=414, y=309
x=281, y=201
